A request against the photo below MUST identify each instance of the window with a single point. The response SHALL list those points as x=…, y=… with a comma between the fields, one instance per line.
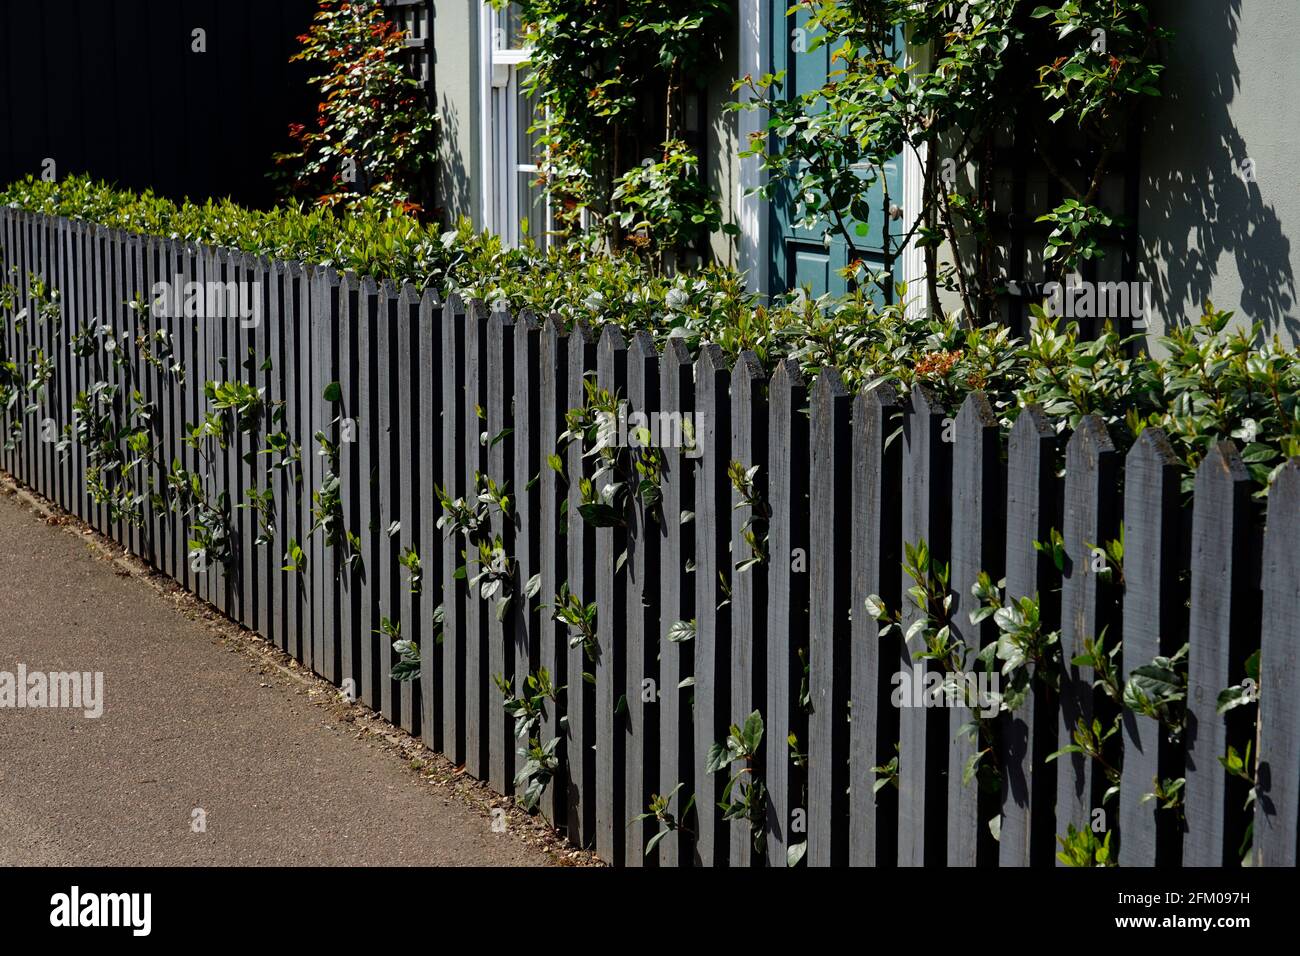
x=511, y=194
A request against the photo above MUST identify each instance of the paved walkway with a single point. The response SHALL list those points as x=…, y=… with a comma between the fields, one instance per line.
x=188, y=725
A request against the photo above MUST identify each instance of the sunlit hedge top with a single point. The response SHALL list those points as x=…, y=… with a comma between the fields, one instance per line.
x=1214, y=384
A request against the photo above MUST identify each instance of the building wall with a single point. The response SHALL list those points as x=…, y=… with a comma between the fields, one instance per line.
x=1218, y=192
x=1231, y=98
x=455, y=77
x=722, y=146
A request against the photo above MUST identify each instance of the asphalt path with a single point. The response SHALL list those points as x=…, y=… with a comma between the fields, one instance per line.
x=198, y=757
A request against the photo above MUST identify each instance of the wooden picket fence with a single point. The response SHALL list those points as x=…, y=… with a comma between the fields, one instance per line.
x=433, y=393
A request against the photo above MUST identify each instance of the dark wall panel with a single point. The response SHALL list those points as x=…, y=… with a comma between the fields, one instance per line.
x=113, y=88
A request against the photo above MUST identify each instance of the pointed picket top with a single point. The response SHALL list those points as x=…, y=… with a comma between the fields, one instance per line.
x=1152, y=449
x=247, y=260
x=612, y=338
x=408, y=294
x=976, y=414
x=747, y=376
x=1089, y=442
x=476, y=310
x=1279, y=747
x=828, y=388
x=923, y=401
x=642, y=348
x=368, y=285
x=498, y=323
x=296, y=269
x=429, y=301
x=1031, y=425
x=581, y=339
x=526, y=321
x=1283, y=500
x=675, y=352
x=387, y=288
x=788, y=375
x=554, y=325
x=454, y=306
x=278, y=267
x=1222, y=466
x=710, y=360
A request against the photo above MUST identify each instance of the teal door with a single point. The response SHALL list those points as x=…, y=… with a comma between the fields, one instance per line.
x=813, y=258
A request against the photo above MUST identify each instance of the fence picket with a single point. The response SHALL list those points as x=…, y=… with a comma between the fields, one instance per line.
x=749, y=585
x=1154, y=620
x=923, y=732
x=525, y=468
x=877, y=571
x=581, y=796
x=978, y=503
x=712, y=619
x=641, y=661
x=676, y=600
x=426, y=458
x=830, y=651
x=1278, y=779
x=1090, y=520
x=1223, y=623
x=500, y=456
x=611, y=597
x=552, y=384
x=454, y=456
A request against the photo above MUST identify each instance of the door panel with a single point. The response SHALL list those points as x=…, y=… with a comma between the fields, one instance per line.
x=812, y=256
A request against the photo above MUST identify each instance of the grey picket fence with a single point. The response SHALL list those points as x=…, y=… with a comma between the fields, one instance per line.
x=423, y=394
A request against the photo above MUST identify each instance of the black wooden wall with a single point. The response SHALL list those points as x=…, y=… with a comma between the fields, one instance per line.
x=113, y=88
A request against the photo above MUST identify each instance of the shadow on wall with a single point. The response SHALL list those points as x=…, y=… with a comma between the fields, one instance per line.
x=1200, y=199
x=455, y=198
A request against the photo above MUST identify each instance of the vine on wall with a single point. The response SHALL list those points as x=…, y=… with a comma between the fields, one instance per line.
x=609, y=83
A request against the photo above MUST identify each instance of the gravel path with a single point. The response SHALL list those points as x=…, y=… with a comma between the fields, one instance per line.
x=203, y=755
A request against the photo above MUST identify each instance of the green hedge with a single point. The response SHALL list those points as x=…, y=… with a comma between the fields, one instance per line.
x=1213, y=383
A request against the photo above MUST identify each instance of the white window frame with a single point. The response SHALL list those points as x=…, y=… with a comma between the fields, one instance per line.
x=499, y=132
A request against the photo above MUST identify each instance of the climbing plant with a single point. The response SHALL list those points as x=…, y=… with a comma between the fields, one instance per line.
x=608, y=82
x=1062, y=81
x=373, y=134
